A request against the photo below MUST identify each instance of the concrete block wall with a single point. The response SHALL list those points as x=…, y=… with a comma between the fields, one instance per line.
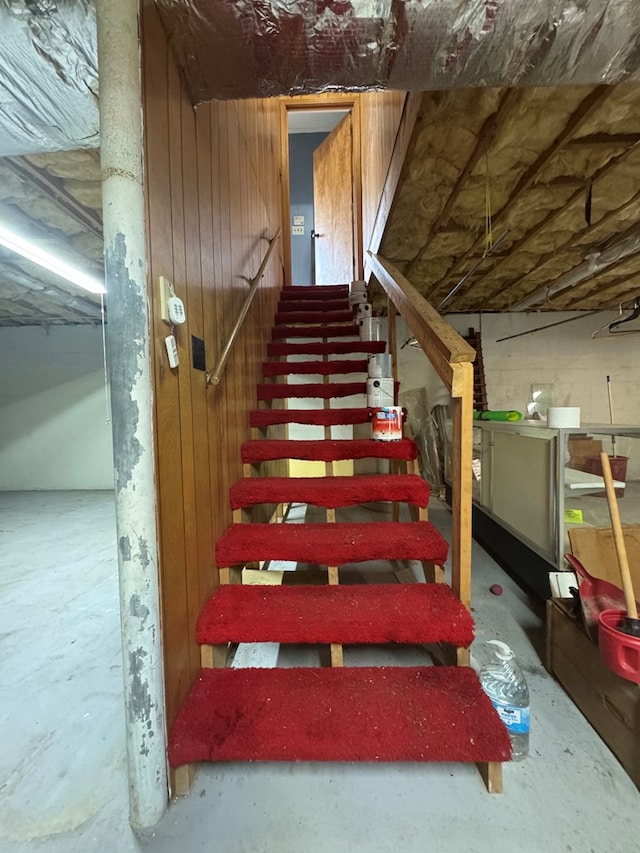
x=566, y=357
x=54, y=432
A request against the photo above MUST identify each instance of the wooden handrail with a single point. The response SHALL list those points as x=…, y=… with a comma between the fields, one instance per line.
x=214, y=376
x=440, y=341
x=452, y=358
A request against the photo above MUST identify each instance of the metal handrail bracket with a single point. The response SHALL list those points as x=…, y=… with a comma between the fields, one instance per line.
x=214, y=376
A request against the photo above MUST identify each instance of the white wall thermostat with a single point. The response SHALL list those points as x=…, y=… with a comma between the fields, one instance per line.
x=172, y=351
x=171, y=306
x=175, y=306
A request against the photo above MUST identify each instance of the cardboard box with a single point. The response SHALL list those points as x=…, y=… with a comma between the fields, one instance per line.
x=580, y=449
x=610, y=704
x=595, y=548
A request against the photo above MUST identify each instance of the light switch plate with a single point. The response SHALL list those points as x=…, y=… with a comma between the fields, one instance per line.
x=297, y=230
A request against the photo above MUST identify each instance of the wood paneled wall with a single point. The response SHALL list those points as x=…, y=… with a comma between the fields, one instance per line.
x=380, y=118
x=212, y=187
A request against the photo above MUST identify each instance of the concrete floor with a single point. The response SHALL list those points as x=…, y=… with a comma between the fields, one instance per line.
x=63, y=777
x=62, y=761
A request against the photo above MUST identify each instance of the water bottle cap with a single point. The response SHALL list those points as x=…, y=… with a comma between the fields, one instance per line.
x=503, y=652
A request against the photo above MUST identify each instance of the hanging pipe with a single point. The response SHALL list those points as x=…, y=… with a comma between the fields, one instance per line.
x=551, y=325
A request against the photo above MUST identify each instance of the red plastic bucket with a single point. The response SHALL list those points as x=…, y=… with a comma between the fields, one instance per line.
x=620, y=652
x=386, y=423
x=593, y=465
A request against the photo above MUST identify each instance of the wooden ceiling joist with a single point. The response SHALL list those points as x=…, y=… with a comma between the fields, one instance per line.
x=454, y=228
x=607, y=140
x=585, y=109
x=602, y=292
x=543, y=224
x=486, y=136
x=568, y=181
x=80, y=308
x=508, y=286
x=561, y=295
x=633, y=231
x=39, y=230
x=614, y=239
x=53, y=188
x=21, y=312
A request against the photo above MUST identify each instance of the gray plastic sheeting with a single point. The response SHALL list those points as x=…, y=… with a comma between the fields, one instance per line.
x=48, y=76
x=237, y=48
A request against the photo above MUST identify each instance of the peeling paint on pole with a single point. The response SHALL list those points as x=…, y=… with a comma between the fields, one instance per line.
x=128, y=358
x=126, y=361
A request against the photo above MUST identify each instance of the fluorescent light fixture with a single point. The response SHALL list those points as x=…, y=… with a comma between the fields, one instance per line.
x=49, y=262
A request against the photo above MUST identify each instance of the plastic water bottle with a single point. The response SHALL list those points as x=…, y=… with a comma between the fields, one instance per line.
x=505, y=685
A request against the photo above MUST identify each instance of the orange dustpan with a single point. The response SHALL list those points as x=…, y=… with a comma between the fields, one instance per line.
x=596, y=596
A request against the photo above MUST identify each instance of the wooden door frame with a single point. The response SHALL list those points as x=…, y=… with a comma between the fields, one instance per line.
x=348, y=101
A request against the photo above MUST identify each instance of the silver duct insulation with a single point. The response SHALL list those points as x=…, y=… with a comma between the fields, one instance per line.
x=48, y=76
x=461, y=43
x=238, y=48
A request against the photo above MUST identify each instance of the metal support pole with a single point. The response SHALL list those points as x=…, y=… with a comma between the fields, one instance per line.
x=128, y=356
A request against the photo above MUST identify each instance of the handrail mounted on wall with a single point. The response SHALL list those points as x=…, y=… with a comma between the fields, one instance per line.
x=214, y=376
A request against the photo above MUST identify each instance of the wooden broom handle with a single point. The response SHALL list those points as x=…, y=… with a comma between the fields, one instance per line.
x=621, y=550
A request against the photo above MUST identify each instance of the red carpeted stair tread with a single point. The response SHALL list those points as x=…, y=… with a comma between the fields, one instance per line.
x=330, y=492
x=331, y=544
x=319, y=316
x=327, y=450
x=310, y=304
x=284, y=391
x=413, y=613
x=322, y=417
x=315, y=291
x=320, y=368
x=345, y=331
x=341, y=714
x=275, y=348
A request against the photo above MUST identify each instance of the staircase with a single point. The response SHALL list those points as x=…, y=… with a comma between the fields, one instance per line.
x=480, y=404
x=336, y=712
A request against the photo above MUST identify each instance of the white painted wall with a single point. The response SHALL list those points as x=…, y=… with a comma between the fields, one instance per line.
x=53, y=424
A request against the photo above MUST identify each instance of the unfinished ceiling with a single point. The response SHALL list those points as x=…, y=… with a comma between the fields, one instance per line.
x=48, y=76
x=562, y=160
x=554, y=161
x=238, y=49
x=54, y=201
x=557, y=170
x=49, y=103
